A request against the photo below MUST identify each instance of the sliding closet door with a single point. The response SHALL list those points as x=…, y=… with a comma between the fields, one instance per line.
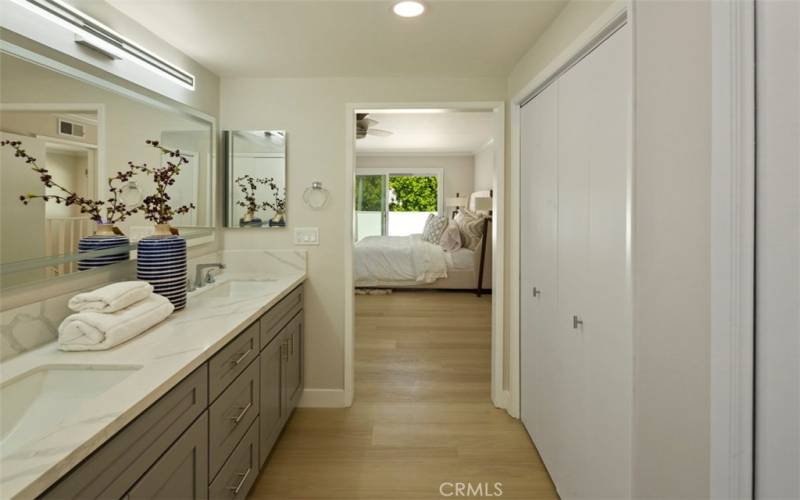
x=574, y=159
x=540, y=373
x=576, y=334
x=607, y=334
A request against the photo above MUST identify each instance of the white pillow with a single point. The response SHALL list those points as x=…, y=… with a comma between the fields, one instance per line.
x=470, y=225
x=434, y=227
x=451, y=238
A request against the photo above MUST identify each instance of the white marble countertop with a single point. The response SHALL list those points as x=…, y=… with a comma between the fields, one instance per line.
x=166, y=353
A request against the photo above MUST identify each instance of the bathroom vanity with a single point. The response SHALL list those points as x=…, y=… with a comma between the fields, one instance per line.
x=190, y=409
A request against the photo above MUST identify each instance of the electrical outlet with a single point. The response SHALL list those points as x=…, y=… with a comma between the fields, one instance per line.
x=306, y=236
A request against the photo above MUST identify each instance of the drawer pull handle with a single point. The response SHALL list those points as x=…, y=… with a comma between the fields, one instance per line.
x=238, y=418
x=238, y=487
x=243, y=355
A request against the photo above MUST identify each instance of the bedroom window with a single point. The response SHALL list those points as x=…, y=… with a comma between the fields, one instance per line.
x=395, y=202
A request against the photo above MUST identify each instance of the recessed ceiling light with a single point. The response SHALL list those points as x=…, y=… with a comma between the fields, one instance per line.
x=408, y=8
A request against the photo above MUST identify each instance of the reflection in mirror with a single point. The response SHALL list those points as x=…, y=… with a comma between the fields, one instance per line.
x=256, y=178
x=81, y=135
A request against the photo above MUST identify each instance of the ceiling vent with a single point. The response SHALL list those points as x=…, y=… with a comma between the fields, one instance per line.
x=71, y=129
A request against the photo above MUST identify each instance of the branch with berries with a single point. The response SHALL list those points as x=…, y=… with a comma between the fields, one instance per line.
x=156, y=206
x=108, y=211
x=248, y=185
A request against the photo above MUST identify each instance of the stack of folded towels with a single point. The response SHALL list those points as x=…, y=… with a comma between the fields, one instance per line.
x=111, y=315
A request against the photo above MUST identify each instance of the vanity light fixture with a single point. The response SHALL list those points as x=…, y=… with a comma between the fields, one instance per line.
x=409, y=8
x=89, y=32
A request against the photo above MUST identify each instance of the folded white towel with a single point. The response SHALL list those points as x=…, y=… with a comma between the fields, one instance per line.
x=111, y=298
x=94, y=331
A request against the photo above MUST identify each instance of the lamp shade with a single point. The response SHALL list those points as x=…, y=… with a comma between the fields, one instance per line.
x=456, y=202
x=483, y=204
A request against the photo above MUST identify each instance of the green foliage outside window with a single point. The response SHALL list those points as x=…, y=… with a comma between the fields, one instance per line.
x=413, y=193
x=369, y=193
x=410, y=193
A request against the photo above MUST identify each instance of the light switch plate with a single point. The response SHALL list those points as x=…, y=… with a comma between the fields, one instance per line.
x=306, y=236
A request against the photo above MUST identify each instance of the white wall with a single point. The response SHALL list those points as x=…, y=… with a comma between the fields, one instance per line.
x=777, y=447
x=312, y=111
x=483, y=179
x=671, y=249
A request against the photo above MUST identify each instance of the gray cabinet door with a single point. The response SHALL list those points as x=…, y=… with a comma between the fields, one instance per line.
x=293, y=370
x=182, y=472
x=271, y=397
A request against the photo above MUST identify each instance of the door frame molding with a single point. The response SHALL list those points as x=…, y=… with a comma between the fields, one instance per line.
x=500, y=397
x=732, y=248
x=617, y=14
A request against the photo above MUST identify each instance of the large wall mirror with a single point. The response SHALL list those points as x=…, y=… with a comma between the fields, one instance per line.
x=255, y=174
x=83, y=133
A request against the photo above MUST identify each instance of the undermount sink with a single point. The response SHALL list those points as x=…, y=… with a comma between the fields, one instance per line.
x=41, y=399
x=236, y=289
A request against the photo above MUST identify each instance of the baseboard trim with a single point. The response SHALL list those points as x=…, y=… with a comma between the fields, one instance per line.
x=322, y=398
x=503, y=400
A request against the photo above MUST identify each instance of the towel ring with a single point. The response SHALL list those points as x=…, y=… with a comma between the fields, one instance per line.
x=315, y=196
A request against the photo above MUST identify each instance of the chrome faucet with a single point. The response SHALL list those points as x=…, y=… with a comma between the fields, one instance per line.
x=199, y=282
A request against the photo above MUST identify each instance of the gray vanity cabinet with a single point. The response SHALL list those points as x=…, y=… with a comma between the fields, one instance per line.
x=114, y=468
x=182, y=472
x=272, y=405
x=209, y=436
x=294, y=362
x=281, y=367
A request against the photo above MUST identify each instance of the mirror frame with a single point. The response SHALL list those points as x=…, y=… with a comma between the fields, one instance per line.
x=195, y=235
x=227, y=198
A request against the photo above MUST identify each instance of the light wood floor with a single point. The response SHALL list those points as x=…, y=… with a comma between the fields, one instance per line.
x=422, y=413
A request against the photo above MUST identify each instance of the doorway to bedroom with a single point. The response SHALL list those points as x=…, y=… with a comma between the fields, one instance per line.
x=423, y=334
x=426, y=184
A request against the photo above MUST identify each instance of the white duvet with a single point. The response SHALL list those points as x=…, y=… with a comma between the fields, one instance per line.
x=398, y=258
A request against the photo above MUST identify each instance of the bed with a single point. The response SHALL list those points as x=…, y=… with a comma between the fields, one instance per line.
x=410, y=262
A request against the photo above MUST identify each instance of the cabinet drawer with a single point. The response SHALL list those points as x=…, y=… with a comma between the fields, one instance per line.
x=231, y=415
x=240, y=471
x=232, y=360
x=111, y=470
x=276, y=318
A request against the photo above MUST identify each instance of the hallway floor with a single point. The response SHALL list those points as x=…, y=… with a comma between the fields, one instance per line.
x=422, y=414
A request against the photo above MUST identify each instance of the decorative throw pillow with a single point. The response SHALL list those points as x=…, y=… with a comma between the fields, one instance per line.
x=451, y=238
x=470, y=225
x=434, y=227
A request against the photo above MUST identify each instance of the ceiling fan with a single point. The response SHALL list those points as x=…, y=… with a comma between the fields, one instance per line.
x=364, y=127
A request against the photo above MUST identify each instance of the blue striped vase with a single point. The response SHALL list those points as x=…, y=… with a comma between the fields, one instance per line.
x=103, y=238
x=161, y=261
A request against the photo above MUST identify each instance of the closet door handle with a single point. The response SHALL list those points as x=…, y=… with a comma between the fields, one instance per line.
x=577, y=322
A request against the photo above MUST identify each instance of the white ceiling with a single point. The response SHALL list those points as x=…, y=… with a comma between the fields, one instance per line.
x=318, y=38
x=438, y=133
